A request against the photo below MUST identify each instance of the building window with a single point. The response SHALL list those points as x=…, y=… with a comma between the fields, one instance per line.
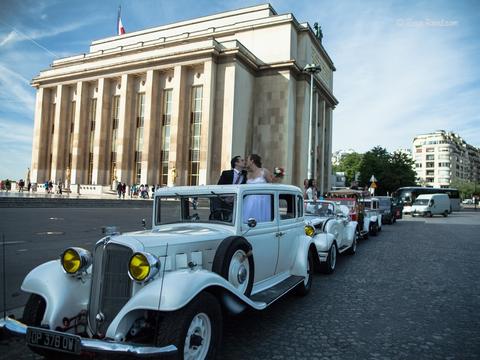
x=430, y=164
x=429, y=179
x=430, y=157
x=430, y=172
x=91, y=120
x=72, y=127
x=418, y=165
x=139, y=136
x=195, y=126
x=428, y=150
x=166, y=119
x=444, y=164
x=115, y=119
x=418, y=150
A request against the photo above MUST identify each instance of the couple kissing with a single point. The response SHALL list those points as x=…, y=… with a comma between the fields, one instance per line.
x=249, y=171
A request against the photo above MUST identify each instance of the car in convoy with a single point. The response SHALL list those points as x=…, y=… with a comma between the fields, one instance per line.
x=165, y=290
x=431, y=204
x=373, y=218
x=387, y=210
x=332, y=230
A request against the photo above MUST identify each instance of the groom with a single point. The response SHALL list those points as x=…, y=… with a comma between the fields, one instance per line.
x=237, y=175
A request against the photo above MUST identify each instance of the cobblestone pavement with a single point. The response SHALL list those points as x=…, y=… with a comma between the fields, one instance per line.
x=411, y=292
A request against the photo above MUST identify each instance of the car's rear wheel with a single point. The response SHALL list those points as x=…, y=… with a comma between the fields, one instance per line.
x=331, y=263
x=196, y=329
x=353, y=249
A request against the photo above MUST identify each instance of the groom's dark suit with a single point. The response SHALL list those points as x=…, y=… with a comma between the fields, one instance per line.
x=227, y=177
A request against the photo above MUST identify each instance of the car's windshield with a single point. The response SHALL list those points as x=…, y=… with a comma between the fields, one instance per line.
x=319, y=209
x=347, y=202
x=214, y=208
x=421, y=202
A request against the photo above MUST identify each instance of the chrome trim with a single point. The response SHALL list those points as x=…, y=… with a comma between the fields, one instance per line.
x=16, y=328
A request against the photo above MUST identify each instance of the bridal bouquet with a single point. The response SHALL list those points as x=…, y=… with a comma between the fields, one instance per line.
x=279, y=172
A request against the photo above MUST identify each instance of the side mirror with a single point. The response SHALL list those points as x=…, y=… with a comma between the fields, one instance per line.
x=252, y=222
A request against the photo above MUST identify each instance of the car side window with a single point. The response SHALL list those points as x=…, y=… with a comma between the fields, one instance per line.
x=259, y=207
x=286, y=206
x=299, y=206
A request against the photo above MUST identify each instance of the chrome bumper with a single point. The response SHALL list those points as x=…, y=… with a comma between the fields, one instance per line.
x=17, y=328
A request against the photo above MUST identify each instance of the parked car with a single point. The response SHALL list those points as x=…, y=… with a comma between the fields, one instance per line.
x=387, y=210
x=467, y=202
x=334, y=232
x=431, y=204
x=373, y=217
x=164, y=290
x=356, y=213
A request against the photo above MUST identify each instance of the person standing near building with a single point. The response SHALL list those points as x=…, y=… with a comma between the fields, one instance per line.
x=237, y=175
x=119, y=189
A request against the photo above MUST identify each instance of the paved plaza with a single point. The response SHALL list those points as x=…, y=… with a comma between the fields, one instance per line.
x=411, y=292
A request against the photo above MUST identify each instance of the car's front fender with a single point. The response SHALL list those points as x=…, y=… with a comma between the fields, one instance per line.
x=173, y=291
x=323, y=241
x=65, y=295
x=300, y=265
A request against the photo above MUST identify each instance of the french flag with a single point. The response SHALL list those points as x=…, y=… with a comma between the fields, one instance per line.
x=120, y=28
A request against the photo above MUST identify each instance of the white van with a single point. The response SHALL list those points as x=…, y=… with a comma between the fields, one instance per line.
x=431, y=204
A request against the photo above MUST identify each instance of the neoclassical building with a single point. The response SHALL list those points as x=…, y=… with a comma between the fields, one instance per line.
x=171, y=105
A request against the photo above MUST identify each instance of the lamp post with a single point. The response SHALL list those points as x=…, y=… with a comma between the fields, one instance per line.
x=311, y=69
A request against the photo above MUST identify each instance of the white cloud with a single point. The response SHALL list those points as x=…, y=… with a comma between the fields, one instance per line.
x=16, y=90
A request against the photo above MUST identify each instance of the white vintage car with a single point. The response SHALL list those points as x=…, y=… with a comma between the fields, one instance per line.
x=163, y=291
x=372, y=220
x=334, y=232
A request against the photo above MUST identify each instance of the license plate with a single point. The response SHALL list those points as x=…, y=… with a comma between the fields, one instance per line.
x=53, y=340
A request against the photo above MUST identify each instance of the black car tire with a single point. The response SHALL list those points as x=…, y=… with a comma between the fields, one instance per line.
x=353, y=249
x=329, y=266
x=303, y=288
x=174, y=325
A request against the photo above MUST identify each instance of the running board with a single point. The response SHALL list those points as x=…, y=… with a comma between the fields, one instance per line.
x=274, y=293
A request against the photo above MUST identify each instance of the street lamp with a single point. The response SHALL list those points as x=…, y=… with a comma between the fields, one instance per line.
x=311, y=69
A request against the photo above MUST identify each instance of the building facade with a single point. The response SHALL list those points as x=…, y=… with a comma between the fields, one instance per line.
x=171, y=105
x=442, y=157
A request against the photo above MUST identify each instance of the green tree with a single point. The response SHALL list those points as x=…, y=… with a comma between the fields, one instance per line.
x=466, y=188
x=391, y=170
x=350, y=165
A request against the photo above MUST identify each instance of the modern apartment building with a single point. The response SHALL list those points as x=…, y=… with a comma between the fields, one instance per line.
x=442, y=157
x=171, y=105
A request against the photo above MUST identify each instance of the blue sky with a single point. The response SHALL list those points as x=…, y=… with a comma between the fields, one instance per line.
x=403, y=67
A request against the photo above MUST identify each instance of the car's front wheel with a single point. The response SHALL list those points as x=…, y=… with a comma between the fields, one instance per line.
x=304, y=287
x=196, y=329
x=331, y=263
x=374, y=229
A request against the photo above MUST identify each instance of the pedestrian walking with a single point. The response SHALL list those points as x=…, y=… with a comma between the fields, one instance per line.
x=119, y=190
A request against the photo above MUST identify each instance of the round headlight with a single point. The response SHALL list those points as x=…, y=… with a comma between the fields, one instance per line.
x=309, y=230
x=143, y=266
x=75, y=260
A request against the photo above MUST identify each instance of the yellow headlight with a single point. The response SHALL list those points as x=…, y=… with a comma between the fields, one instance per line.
x=309, y=230
x=139, y=267
x=75, y=260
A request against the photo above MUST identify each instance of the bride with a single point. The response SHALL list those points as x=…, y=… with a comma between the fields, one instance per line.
x=257, y=206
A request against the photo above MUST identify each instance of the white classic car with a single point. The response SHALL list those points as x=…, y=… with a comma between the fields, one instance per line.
x=334, y=232
x=163, y=291
x=372, y=220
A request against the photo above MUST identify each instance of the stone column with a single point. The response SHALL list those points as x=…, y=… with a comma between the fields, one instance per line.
x=178, y=133
x=41, y=132
x=78, y=172
x=126, y=131
x=328, y=147
x=152, y=122
x=209, y=75
x=60, y=134
x=320, y=147
x=101, y=142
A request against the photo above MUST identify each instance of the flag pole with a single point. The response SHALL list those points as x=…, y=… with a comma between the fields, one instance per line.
x=118, y=18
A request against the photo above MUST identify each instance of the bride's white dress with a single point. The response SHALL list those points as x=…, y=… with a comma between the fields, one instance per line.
x=257, y=206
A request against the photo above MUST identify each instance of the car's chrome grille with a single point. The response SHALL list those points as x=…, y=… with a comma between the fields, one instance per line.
x=111, y=285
